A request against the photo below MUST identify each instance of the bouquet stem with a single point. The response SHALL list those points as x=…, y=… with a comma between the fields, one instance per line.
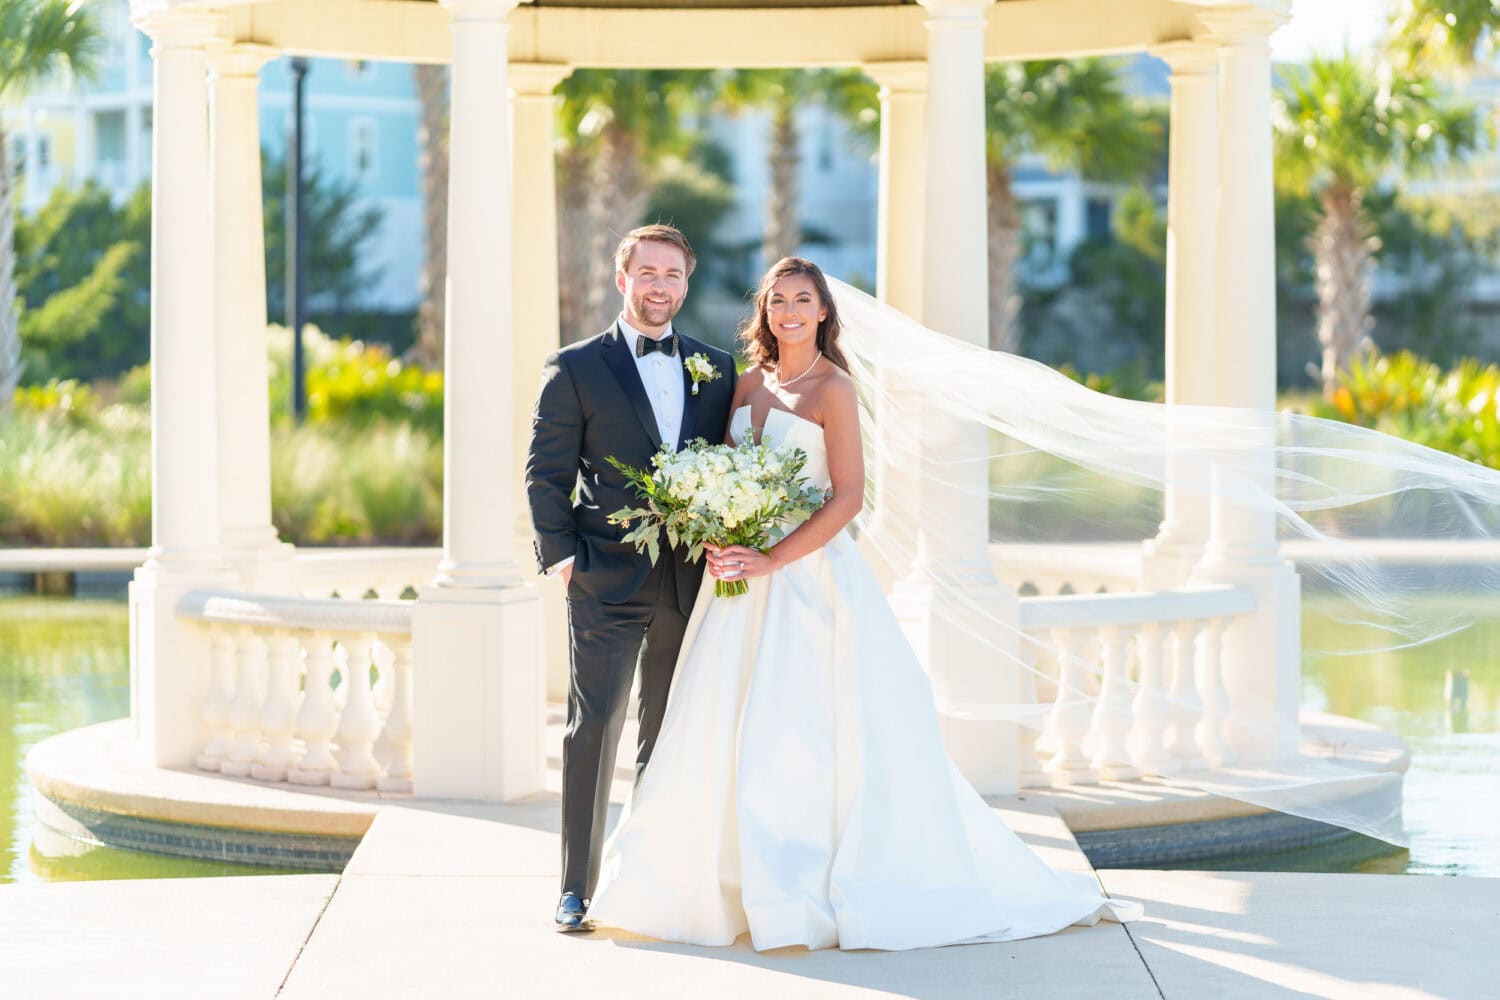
x=731, y=588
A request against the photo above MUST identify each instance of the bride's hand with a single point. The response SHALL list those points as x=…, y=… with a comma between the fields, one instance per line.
x=738, y=562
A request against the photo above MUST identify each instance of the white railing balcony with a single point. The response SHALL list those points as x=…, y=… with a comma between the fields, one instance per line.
x=290, y=695
x=1084, y=568
x=1134, y=682
x=387, y=574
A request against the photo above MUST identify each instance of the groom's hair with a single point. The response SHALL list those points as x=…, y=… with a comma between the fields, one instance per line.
x=656, y=233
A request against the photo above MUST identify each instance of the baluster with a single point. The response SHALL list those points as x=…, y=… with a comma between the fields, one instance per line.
x=393, y=749
x=1031, y=774
x=318, y=718
x=385, y=691
x=244, y=713
x=1186, y=708
x=1045, y=680
x=1150, y=708
x=1070, y=712
x=358, y=723
x=278, y=715
x=1211, y=737
x=1112, y=714
x=218, y=699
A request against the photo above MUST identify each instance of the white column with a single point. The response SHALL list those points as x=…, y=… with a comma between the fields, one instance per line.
x=1261, y=651
x=479, y=464
x=169, y=658
x=535, y=316
x=239, y=285
x=903, y=159
x=184, y=493
x=954, y=609
x=898, y=279
x=1192, y=224
x=479, y=686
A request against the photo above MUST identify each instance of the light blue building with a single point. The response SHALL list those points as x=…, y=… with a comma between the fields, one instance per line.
x=361, y=123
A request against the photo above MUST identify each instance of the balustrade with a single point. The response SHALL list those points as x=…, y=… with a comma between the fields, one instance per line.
x=290, y=696
x=1138, y=688
x=382, y=574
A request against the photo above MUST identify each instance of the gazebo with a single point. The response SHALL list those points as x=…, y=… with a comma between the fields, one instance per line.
x=235, y=639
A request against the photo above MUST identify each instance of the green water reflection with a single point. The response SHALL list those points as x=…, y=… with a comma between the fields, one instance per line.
x=1452, y=795
x=63, y=664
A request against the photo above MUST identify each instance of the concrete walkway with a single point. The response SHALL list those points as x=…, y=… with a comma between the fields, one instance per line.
x=451, y=901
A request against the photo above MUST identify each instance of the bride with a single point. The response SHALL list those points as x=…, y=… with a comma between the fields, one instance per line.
x=799, y=789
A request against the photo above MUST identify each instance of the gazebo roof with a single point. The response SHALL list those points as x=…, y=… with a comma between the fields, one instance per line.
x=685, y=34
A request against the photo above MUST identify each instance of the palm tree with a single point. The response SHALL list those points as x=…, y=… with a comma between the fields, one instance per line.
x=615, y=125
x=1453, y=32
x=1342, y=126
x=1078, y=117
x=847, y=92
x=38, y=39
x=432, y=160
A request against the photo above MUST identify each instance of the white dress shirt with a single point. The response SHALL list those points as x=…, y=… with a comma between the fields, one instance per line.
x=661, y=376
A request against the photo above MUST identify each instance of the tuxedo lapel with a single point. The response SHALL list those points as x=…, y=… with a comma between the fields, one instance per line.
x=618, y=357
x=689, y=401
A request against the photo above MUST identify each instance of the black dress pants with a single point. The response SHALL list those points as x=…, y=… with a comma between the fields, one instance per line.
x=607, y=641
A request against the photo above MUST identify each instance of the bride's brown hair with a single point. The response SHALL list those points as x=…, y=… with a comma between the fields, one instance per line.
x=756, y=338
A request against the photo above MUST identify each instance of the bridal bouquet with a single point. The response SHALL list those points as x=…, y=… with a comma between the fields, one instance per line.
x=750, y=494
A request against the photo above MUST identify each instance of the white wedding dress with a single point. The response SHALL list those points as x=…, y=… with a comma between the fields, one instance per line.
x=799, y=789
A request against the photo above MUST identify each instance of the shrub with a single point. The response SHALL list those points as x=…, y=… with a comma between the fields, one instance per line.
x=67, y=482
x=60, y=400
x=1409, y=397
x=363, y=383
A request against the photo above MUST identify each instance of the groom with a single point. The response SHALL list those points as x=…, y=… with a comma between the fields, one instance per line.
x=621, y=394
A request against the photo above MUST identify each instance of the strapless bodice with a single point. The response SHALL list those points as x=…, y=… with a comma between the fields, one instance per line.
x=783, y=428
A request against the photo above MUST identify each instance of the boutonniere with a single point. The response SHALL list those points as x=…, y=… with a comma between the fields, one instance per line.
x=700, y=369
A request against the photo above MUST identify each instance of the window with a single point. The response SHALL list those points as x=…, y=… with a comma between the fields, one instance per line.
x=119, y=33
x=1039, y=233
x=1096, y=218
x=43, y=152
x=362, y=138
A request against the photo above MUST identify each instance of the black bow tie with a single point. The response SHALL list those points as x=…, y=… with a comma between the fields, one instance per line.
x=644, y=345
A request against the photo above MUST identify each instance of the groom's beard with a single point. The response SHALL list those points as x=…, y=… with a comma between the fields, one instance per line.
x=655, y=314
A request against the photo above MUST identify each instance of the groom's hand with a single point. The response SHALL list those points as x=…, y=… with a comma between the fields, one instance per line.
x=567, y=575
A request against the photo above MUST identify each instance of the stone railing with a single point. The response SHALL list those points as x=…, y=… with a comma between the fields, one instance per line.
x=289, y=694
x=388, y=574
x=1133, y=681
x=1043, y=570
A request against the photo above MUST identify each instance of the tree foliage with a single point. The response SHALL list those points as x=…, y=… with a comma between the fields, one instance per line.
x=39, y=39
x=1075, y=115
x=83, y=277
x=335, y=230
x=1342, y=126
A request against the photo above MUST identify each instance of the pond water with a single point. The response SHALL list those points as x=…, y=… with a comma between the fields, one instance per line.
x=63, y=664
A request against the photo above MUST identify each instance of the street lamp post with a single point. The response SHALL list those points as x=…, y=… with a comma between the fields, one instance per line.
x=295, y=258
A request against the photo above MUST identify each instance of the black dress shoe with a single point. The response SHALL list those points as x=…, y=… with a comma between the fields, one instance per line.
x=572, y=914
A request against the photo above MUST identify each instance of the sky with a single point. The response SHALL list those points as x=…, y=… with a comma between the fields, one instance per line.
x=1324, y=27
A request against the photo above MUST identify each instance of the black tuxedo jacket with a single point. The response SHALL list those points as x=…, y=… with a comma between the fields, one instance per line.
x=592, y=406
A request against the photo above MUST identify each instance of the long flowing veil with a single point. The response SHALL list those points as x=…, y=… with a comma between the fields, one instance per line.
x=1076, y=478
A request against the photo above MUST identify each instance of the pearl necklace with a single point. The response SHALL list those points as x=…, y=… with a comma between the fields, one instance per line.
x=799, y=378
